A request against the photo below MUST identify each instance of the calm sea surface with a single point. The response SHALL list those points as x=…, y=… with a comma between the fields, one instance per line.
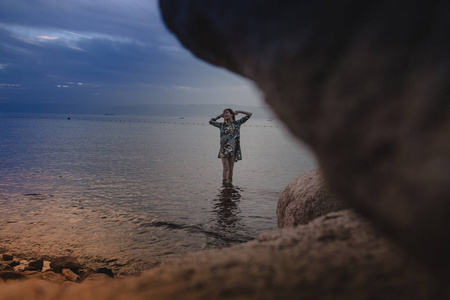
x=131, y=191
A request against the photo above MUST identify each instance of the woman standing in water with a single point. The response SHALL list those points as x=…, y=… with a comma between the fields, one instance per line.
x=230, y=148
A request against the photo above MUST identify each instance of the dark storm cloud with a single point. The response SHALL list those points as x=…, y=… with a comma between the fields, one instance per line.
x=135, y=19
x=101, y=52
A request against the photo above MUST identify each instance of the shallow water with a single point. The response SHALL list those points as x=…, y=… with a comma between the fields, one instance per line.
x=132, y=191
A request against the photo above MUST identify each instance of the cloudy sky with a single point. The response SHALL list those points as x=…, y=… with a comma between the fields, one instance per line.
x=103, y=52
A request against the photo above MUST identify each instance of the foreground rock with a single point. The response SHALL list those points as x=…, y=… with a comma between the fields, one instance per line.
x=365, y=84
x=338, y=256
x=305, y=199
x=60, y=270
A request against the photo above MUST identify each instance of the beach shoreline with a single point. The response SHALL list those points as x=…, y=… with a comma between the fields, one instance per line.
x=59, y=269
x=118, y=266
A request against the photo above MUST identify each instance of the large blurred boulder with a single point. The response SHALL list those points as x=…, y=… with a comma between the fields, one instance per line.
x=305, y=199
x=364, y=83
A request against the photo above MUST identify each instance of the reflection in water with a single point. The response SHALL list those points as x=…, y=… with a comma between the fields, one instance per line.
x=225, y=205
x=113, y=200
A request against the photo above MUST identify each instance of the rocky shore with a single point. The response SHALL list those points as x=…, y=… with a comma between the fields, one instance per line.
x=335, y=255
x=60, y=270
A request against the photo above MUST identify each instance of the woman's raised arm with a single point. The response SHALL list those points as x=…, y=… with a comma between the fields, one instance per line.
x=242, y=112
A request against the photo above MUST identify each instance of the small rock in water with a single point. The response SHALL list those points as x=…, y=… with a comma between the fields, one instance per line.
x=65, y=262
x=21, y=266
x=46, y=266
x=85, y=273
x=14, y=263
x=7, y=256
x=35, y=265
x=70, y=275
x=106, y=271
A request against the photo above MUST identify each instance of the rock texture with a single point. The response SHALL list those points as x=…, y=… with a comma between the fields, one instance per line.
x=337, y=256
x=365, y=84
x=305, y=199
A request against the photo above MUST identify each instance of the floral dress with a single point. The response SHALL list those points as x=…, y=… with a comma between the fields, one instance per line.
x=229, y=138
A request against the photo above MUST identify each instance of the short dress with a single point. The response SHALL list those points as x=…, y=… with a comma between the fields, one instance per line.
x=230, y=138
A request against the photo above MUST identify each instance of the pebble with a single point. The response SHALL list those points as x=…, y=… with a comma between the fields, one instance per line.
x=70, y=275
x=35, y=265
x=7, y=256
x=65, y=262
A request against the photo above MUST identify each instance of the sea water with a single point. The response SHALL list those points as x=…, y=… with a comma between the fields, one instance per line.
x=130, y=192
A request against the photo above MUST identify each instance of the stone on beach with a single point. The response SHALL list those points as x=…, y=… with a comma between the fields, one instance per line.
x=14, y=263
x=65, y=270
x=21, y=265
x=46, y=266
x=65, y=262
x=85, y=273
x=7, y=256
x=70, y=275
x=305, y=199
x=35, y=265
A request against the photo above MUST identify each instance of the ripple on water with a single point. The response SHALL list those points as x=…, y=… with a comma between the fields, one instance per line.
x=132, y=194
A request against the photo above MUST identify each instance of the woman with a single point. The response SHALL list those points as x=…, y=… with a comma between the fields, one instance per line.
x=230, y=148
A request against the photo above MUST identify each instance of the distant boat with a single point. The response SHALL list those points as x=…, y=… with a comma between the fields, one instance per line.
x=110, y=114
x=180, y=118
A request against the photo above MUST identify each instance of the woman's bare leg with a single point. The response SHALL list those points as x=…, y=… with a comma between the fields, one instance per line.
x=230, y=167
x=226, y=167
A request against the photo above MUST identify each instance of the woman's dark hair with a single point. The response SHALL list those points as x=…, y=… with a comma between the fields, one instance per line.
x=231, y=112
